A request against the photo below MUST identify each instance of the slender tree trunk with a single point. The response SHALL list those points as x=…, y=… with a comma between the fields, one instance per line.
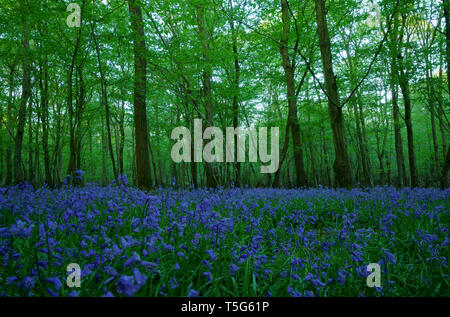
x=444, y=175
x=237, y=70
x=43, y=86
x=10, y=126
x=404, y=86
x=325, y=155
x=155, y=175
x=122, y=137
x=359, y=119
x=207, y=89
x=401, y=170
x=193, y=165
x=2, y=147
x=440, y=115
x=71, y=167
x=30, y=176
x=37, y=177
x=26, y=92
x=104, y=93
x=312, y=156
x=140, y=87
x=288, y=66
x=104, y=147
x=78, y=133
x=341, y=164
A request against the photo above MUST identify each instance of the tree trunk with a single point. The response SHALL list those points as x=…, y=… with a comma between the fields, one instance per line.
x=72, y=125
x=122, y=137
x=26, y=92
x=104, y=98
x=359, y=119
x=43, y=86
x=444, y=175
x=237, y=70
x=288, y=66
x=207, y=89
x=341, y=166
x=30, y=174
x=140, y=85
x=401, y=170
x=404, y=86
x=9, y=126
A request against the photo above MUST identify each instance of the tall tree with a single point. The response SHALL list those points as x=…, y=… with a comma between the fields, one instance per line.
x=26, y=92
x=140, y=88
x=289, y=72
x=104, y=98
x=341, y=166
x=405, y=88
x=205, y=36
x=444, y=175
x=393, y=46
x=236, y=81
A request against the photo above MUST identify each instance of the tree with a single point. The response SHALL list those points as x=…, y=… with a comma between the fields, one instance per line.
x=140, y=87
x=292, y=125
x=26, y=92
x=341, y=164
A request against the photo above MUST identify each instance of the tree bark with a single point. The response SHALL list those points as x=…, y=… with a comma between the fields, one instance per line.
x=104, y=98
x=341, y=166
x=73, y=125
x=401, y=170
x=288, y=66
x=404, y=86
x=30, y=174
x=140, y=85
x=359, y=121
x=43, y=86
x=10, y=123
x=237, y=71
x=26, y=92
x=207, y=88
x=444, y=175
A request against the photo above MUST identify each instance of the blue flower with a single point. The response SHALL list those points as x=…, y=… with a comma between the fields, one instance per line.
x=131, y=260
x=173, y=283
x=208, y=276
x=74, y=294
x=192, y=293
x=139, y=277
x=126, y=286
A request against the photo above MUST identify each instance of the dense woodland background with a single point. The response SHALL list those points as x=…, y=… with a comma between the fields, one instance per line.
x=359, y=89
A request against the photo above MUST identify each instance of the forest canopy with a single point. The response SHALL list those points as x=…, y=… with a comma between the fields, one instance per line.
x=92, y=90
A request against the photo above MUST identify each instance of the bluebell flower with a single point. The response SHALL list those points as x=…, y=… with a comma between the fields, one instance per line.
x=192, y=293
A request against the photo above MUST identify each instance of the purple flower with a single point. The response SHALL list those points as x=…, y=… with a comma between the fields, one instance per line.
x=55, y=281
x=52, y=293
x=208, y=276
x=131, y=260
x=173, y=283
x=309, y=276
x=11, y=280
x=126, y=286
x=212, y=255
x=192, y=293
x=389, y=256
x=74, y=294
x=150, y=266
x=293, y=292
x=139, y=277
x=110, y=270
x=233, y=269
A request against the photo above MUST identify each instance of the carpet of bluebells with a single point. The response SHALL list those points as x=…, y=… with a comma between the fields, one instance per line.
x=223, y=242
